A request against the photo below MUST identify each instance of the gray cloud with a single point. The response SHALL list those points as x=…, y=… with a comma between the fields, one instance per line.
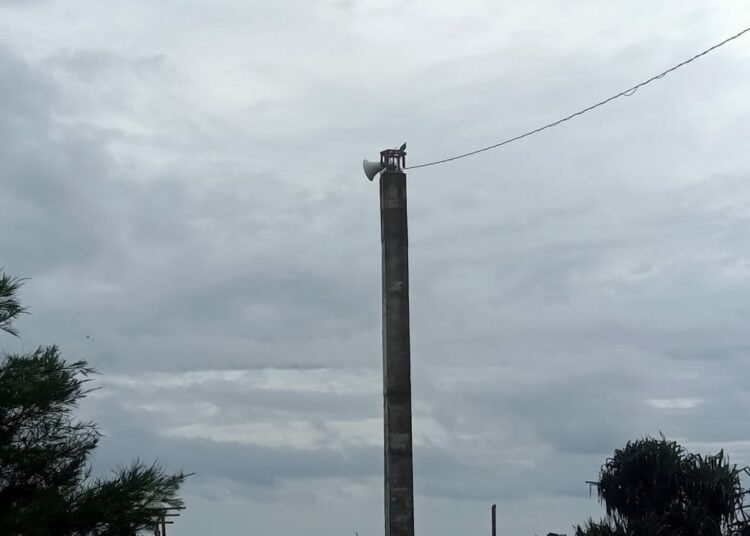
x=187, y=202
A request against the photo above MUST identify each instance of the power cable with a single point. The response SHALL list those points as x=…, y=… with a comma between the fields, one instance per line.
x=627, y=93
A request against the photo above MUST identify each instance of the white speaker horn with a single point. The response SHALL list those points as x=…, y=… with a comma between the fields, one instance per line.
x=372, y=168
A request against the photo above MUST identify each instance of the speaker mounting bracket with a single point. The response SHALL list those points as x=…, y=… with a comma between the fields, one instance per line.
x=393, y=159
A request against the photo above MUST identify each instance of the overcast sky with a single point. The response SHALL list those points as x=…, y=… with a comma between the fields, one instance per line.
x=182, y=184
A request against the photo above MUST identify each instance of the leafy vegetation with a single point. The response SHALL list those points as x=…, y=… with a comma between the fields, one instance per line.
x=654, y=487
x=46, y=486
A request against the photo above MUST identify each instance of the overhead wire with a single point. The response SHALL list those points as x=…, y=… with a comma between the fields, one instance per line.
x=626, y=93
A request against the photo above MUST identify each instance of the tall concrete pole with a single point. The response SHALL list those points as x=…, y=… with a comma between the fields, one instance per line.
x=494, y=520
x=399, y=479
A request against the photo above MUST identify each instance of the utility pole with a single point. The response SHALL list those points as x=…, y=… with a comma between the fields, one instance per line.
x=161, y=521
x=399, y=473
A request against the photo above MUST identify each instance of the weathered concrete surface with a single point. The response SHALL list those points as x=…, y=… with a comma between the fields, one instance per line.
x=399, y=480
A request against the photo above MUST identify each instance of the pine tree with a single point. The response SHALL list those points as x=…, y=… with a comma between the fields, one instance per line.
x=46, y=486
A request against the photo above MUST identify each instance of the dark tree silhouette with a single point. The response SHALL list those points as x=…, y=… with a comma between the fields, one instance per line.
x=10, y=307
x=45, y=483
x=654, y=487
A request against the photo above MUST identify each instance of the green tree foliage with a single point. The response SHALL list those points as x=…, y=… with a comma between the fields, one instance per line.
x=45, y=483
x=654, y=487
x=10, y=307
